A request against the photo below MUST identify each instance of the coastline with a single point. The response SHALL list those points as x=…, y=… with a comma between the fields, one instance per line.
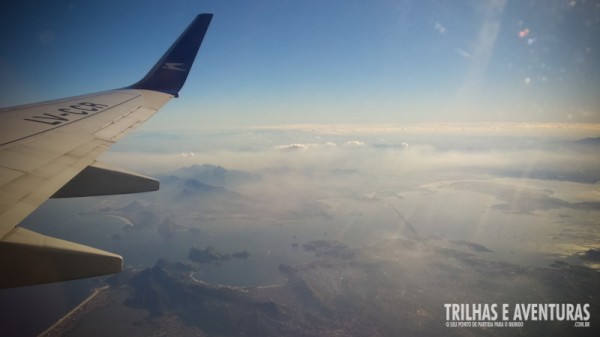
x=66, y=322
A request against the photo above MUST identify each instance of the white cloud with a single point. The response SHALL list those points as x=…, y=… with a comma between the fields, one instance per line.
x=355, y=143
x=401, y=159
x=292, y=147
x=463, y=53
x=440, y=28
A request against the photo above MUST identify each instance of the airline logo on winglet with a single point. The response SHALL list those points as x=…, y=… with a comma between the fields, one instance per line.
x=173, y=66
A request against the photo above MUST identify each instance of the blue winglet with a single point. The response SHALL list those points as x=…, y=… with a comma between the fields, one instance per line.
x=169, y=74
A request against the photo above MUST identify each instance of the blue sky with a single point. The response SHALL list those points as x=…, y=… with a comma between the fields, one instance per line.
x=322, y=62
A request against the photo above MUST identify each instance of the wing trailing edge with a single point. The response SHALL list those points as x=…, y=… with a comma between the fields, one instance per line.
x=29, y=258
x=99, y=179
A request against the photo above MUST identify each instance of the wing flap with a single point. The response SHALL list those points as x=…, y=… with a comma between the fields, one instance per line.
x=99, y=179
x=43, y=259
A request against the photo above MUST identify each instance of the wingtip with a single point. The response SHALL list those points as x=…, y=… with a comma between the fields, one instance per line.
x=170, y=73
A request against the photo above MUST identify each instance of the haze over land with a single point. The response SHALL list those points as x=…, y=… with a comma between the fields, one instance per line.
x=308, y=228
x=478, y=182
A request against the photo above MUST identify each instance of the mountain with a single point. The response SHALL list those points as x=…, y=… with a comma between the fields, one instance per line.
x=132, y=207
x=588, y=141
x=194, y=189
x=168, y=289
x=202, y=181
x=138, y=214
x=214, y=256
x=211, y=175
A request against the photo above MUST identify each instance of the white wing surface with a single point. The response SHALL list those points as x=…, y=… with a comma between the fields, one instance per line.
x=49, y=150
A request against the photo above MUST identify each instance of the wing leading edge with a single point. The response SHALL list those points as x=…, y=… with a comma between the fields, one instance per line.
x=49, y=150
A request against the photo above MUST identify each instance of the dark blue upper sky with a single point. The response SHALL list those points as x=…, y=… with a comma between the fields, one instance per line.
x=281, y=62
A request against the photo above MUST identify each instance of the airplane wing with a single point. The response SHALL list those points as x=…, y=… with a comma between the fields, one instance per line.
x=49, y=150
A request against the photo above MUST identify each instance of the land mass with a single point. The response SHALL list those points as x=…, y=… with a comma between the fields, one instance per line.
x=397, y=286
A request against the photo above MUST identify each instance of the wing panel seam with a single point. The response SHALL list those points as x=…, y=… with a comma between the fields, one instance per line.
x=71, y=122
